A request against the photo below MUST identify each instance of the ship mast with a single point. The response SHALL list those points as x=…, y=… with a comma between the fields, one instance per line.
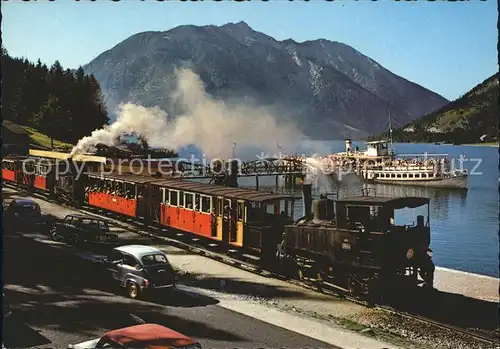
x=390, y=129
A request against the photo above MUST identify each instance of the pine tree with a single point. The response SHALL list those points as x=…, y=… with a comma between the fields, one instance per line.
x=52, y=99
x=50, y=118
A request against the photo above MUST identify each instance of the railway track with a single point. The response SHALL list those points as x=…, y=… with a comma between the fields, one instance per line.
x=486, y=339
x=239, y=261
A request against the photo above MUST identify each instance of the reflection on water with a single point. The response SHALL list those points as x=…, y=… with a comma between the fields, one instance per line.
x=440, y=198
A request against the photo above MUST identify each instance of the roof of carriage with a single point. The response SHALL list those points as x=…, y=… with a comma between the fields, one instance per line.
x=196, y=187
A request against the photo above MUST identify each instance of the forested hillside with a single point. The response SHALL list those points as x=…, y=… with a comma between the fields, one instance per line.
x=469, y=119
x=66, y=105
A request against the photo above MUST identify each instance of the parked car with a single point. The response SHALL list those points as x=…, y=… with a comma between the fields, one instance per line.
x=141, y=336
x=23, y=215
x=78, y=229
x=139, y=269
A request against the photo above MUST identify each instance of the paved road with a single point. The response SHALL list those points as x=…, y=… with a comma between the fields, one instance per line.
x=59, y=299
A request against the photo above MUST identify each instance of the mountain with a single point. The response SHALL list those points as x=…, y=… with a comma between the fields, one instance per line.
x=328, y=89
x=464, y=120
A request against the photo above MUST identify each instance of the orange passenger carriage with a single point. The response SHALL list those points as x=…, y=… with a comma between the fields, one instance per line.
x=122, y=194
x=242, y=219
x=29, y=172
x=10, y=171
x=239, y=219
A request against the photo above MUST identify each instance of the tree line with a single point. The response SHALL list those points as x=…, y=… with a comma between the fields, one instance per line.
x=471, y=116
x=64, y=104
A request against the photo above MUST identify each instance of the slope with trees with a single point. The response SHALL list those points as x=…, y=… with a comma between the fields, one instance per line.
x=63, y=104
x=472, y=118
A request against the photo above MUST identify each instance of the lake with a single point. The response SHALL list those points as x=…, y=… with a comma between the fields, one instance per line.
x=464, y=225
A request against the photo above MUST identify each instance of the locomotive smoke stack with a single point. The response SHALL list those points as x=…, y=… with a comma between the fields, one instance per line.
x=307, y=198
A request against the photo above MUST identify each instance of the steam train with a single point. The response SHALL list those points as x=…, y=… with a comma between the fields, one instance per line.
x=351, y=243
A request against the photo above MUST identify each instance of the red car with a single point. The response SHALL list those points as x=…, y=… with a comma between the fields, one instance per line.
x=151, y=336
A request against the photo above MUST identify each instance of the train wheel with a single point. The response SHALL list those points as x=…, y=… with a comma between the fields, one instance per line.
x=360, y=283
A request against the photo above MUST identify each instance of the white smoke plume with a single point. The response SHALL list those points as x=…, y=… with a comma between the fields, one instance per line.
x=211, y=125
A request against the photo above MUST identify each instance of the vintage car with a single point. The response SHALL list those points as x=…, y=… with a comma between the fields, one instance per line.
x=139, y=269
x=141, y=336
x=79, y=229
x=23, y=215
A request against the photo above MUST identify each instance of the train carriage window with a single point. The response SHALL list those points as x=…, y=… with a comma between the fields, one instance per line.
x=140, y=191
x=118, y=190
x=270, y=208
x=219, y=207
x=173, y=195
x=100, y=184
x=197, y=202
x=188, y=201
x=181, y=199
x=241, y=211
x=132, y=190
x=227, y=208
x=206, y=204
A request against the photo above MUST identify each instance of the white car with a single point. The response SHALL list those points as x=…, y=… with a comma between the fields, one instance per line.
x=141, y=336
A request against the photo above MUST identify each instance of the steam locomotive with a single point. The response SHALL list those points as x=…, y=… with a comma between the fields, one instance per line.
x=351, y=243
x=354, y=244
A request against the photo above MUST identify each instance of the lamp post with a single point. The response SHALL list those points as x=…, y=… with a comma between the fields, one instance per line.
x=234, y=150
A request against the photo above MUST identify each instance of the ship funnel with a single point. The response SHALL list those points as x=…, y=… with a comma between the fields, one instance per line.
x=348, y=145
x=307, y=198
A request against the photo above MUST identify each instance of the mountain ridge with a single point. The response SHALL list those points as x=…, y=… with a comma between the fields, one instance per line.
x=314, y=83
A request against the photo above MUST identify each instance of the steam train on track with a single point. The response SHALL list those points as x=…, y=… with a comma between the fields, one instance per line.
x=351, y=243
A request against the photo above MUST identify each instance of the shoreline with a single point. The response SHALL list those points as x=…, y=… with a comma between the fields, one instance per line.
x=488, y=144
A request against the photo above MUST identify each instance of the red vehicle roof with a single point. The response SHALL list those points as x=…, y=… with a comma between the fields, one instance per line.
x=149, y=336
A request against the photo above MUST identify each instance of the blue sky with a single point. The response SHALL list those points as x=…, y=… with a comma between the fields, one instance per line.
x=448, y=47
